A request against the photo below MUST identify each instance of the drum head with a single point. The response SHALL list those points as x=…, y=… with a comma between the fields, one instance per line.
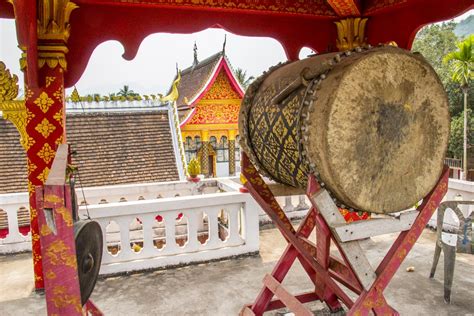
x=89, y=244
x=380, y=130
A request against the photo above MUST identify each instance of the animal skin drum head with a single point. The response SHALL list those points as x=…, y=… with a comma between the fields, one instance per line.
x=386, y=132
x=89, y=244
x=373, y=126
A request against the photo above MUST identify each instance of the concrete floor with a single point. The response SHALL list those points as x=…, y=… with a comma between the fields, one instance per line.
x=221, y=288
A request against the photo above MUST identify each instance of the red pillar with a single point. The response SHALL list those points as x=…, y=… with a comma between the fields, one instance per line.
x=45, y=128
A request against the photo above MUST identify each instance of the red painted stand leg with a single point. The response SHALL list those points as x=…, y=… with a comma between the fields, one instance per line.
x=397, y=253
x=320, y=266
x=91, y=309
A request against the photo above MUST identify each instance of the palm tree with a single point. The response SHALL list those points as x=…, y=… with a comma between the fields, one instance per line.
x=462, y=73
x=241, y=75
x=126, y=92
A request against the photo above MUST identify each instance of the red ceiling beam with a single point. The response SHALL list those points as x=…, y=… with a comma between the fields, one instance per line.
x=345, y=8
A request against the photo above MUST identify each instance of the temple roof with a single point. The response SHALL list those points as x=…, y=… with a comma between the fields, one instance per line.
x=195, y=78
x=111, y=148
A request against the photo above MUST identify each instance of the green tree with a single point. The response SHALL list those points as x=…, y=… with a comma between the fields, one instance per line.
x=434, y=42
x=456, y=141
x=126, y=92
x=241, y=76
x=462, y=66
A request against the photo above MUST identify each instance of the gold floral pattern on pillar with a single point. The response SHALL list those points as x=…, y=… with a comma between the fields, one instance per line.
x=44, y=102
x=43, y=175
x=46, y=153
x=45, y=128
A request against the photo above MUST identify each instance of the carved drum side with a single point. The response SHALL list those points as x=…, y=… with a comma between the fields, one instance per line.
x=372, y=125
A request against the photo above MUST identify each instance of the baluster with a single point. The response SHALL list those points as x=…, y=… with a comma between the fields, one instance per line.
x=13, y=229
x=125, y=250
x=213, y=228
x=193, y=218
x=234, y=237
x=302, y=203
x=106, y=256
x=147, y=226
x=170, y=228
x=288, y=205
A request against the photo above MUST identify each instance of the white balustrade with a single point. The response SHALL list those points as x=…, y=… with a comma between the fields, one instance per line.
x=242, y=230
x=295, y=207
x=14, y=241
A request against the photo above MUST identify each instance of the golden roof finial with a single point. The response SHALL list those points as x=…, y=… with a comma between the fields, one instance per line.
x=8, y=84
x=174, y=94
x=75, y=97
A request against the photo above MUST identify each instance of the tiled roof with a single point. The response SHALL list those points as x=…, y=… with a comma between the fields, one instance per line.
x=194, y=78
x=111, y=148
x=12, y=159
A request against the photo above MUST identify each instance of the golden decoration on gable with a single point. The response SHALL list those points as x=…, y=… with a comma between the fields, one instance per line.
x=221, y=89
x=351, y=33
x=217, y=113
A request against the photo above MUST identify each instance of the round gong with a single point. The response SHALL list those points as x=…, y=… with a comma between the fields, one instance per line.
x=373, y=125
x=88, y=237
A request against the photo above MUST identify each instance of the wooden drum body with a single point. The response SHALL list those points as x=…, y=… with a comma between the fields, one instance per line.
x=372, y=125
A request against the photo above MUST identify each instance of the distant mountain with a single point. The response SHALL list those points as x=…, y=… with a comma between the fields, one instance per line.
x=465, y=27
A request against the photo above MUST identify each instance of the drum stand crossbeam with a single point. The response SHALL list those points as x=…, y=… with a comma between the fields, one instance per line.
x=353, y=271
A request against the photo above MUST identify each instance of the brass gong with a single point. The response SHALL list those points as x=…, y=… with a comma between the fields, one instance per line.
x=89, y=243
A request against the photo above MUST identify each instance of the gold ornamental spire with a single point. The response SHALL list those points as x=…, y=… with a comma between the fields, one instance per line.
x=350, y=33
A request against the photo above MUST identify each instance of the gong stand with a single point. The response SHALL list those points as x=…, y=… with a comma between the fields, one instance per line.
x=353, y=270
x=58, y=250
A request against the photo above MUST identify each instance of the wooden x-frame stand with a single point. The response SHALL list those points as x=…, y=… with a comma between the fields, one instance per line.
x=353, y=271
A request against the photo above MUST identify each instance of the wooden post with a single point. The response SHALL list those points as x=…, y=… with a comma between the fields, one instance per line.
x=45, y=120
x=45, y=129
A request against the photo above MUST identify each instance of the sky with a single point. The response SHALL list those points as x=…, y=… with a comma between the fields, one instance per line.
x=154, y=67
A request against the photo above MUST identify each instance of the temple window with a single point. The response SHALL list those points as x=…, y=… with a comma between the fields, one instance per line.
x=213, y=141
x=223, y=150
x=237, y=148
x=190, y=148
x=198, y=143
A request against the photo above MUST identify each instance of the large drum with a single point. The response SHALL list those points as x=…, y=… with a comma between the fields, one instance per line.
x=372, y=125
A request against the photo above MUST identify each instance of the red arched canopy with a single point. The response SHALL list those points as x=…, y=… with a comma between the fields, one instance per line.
x=296, y=23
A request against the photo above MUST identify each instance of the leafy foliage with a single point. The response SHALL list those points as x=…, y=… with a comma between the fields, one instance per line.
x=126, y=92
x=455, y=148
x=434, y=42
x=462, y=63
x=242, y=77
